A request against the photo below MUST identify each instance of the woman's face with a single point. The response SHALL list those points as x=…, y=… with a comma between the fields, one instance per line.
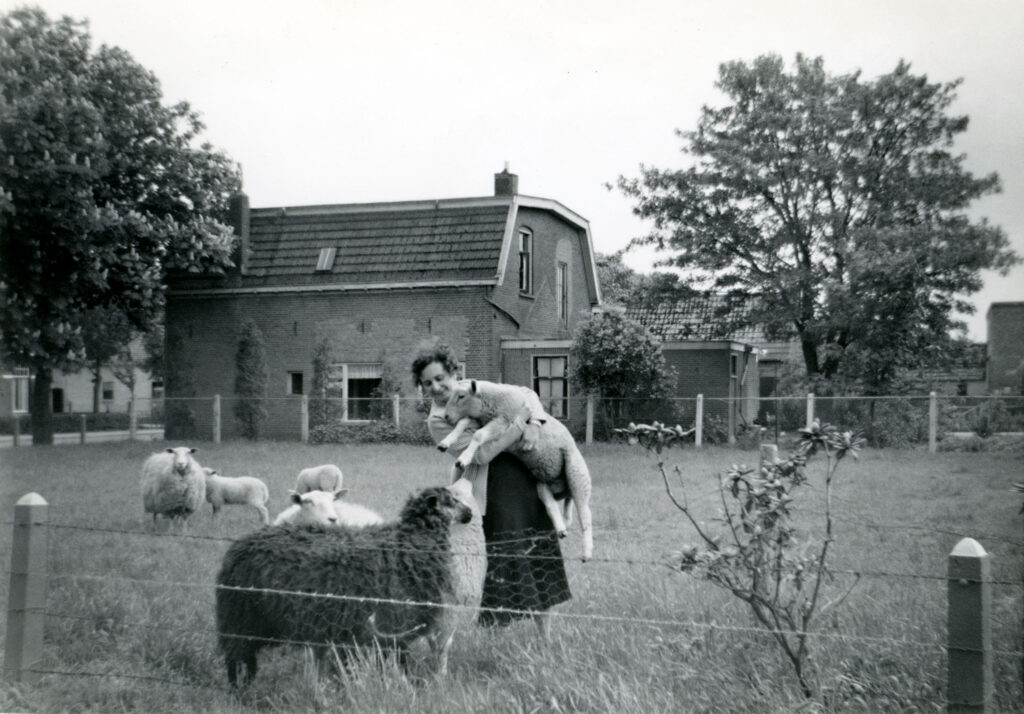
x=437, y=382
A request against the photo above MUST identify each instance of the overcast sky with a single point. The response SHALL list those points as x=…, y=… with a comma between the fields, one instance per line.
x=341, y=101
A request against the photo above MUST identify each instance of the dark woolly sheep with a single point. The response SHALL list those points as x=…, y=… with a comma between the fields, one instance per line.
x=409, y=560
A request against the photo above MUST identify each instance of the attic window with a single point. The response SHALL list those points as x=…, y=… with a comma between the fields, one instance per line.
x=326, y=260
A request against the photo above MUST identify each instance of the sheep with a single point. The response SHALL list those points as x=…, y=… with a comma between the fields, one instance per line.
x=326, y=477
x=237, y=490
x=173, y=484
x=547, y=448
x=327, y=508
x=386, y=585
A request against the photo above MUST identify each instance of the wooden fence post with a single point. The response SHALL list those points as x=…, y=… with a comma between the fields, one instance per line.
x=304, y=419
x=969, y=634
x=17, y=430
x=216, y=418
x=933, y=422
x=810, y=409
x=82, y=430
x=132, y=419
x=26, y=605
x=396, y=403
x=590, y=419
x=698, y=422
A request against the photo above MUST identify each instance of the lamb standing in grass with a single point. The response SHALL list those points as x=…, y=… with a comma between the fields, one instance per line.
x=173, y=484
x=550, y=453
x=238, y=491
x=326, y=477
x=385, y=585
x=326, y=508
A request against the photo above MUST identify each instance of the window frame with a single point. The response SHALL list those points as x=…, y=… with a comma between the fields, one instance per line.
x=525, y=261
x=290, y=383
x=21, y=389
x=325, y=261
x=345, y=369
x=562, y=291
x=107, y=387
x=536, y=378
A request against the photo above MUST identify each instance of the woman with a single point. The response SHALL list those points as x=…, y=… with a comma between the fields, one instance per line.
x=525, y=571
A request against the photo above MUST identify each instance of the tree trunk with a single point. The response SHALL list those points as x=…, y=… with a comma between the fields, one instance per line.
x=97, y=386
x=41, y=407
x=810, y=352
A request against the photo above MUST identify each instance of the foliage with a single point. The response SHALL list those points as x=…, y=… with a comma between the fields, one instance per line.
x=830, y=209
x=104, y=190
x=757, y=555
x=617, y=357
x=251, y=377
x=374, y=432
x=621, y=285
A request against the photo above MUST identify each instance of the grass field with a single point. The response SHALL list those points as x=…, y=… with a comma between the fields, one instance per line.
x=130, y=613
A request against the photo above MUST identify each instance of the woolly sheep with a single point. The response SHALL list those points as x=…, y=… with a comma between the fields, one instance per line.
x=238, y=491
x=326, y=477
x=327, y=508
x=373, y=583
x=173, y=484
x=547, y=448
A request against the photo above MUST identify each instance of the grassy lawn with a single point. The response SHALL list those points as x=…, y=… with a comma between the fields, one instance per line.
x=131, y=612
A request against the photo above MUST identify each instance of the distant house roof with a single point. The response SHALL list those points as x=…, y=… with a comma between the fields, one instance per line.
x=373, y=245
x=693, y=319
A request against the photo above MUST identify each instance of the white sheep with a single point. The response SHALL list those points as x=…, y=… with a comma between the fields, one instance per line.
x=326, y=477
x=547, y=448
x=326, y=507
x=173, y=484
x=238, y=491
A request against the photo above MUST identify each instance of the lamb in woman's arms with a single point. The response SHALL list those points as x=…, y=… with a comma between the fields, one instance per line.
x=547, y=448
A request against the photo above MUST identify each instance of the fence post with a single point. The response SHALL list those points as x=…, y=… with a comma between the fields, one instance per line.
x=396, y=402
x=590, y=419
x=810, y=409
x=81, y=430
x=969, y=629
x=132, y=417
x=698, y=422
x=769, y=454
x=304, y=419
x=17, y=430
x=216, y=418
x=26, y=605
x=933, y=422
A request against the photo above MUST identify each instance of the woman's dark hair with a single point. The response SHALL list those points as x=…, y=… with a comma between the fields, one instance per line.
x=436, y=352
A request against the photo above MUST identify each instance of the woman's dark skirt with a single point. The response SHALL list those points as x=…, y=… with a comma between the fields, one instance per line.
x=524, y=560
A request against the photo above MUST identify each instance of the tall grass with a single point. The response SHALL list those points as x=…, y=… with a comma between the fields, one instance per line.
x=131, y=612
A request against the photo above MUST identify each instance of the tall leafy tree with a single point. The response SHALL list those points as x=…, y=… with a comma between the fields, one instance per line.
x=251, y=380
x=831, y=209
x=103, y=189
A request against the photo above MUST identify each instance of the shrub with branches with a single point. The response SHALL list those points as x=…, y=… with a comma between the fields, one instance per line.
x=756, y=554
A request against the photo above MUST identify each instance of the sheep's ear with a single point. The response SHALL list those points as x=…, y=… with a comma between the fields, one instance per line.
x=169, y=450
x=295, y=497
x=193, y=450
x=472, y=386
x=339, y=492
x=432, y=501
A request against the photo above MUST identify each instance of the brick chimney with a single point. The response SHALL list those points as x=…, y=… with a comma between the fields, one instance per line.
x=238, y=216
x=505, y=183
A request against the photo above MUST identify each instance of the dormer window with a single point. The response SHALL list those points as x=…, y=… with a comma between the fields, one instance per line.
x=326, y=260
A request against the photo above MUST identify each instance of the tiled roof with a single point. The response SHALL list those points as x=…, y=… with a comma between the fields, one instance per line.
x=431, y=241
x=698, y=319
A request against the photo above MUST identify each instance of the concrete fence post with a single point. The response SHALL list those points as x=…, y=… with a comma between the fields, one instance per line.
x=17, y=430
x=26, y=605
x=396, y=405
x=969, y=630
x=590, y=419
x=304, y=419
x=769, y=453
x=933, y=422
x=83, y=427
x=810, y=409
x=216, y=418
x=132, y=419
x=698, y=422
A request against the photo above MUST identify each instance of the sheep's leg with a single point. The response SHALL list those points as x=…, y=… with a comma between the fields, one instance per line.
x=440, y=642
x=552, y=507
x=543, y=620
x=578, y=476
x=487, y=432
x=454, y=434
x=264, y=515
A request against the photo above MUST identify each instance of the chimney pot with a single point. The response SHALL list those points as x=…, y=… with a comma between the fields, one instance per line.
x=506, y=183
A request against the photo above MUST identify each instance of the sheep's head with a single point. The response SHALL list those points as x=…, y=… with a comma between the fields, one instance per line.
x=436, y=507
x=316, y=506
x=463, y=402
x=182, y=458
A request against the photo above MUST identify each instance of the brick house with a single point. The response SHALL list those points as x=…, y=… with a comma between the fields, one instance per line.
x=1005, y=357
x=502, y=279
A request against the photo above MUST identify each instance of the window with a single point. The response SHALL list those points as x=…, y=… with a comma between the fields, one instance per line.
x=525, y=262
x=295, y=383
x=19, y=378
x=550, y=381
x=357, y=386
x=734, y=365
x=158, y=389
x=108, y=391
x=326, y=260
x=562, y=291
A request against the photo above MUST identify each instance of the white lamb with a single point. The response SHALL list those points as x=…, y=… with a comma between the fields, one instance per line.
x=547, y=449
x=326, y=477
x=173, y=484
x=236, y=491
x=326, y=507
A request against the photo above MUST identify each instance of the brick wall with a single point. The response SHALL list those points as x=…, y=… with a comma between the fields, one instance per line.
x=1005, y=348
